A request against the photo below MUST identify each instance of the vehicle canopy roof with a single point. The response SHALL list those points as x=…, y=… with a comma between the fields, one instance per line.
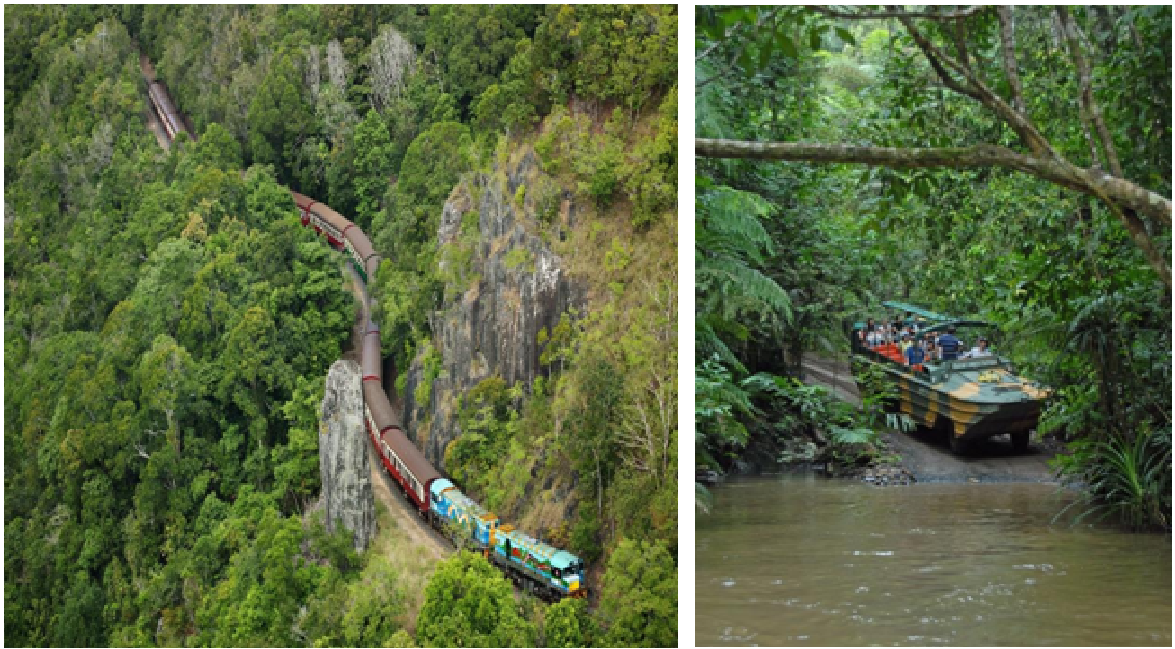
x=923, y=314
x=958, y=324
x=910, y=308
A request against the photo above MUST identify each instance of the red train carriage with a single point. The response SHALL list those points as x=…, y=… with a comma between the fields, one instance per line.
x=400, y=457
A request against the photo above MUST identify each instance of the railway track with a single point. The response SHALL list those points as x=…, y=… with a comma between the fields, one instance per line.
x=539, y=568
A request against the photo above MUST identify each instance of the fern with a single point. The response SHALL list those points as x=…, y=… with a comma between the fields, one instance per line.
x=732, y=288
x=733, y=225
x=847, y=436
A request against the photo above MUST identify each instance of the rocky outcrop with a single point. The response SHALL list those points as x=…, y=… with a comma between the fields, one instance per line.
x=342, y=454
x=492, y=327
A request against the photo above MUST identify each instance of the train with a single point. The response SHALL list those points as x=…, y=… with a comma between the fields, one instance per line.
x=164, y=108
x=537, y=567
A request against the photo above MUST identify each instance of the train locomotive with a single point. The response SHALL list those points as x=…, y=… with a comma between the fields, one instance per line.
x=546, y=571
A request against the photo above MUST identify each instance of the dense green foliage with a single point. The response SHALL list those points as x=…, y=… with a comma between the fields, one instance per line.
x=1080, y=302
x=162, y=313
x=168, y=321
x=469, y=603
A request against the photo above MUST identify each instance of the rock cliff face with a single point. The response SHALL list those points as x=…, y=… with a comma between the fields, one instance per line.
x=342, y=454
x=492, y=328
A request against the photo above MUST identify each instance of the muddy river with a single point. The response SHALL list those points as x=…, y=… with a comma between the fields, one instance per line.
x=802, y=560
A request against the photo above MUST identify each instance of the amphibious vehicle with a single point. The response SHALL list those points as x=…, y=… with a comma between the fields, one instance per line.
x=974, y=398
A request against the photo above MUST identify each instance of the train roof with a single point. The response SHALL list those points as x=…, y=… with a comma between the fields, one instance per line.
x=377, y=403
x=301, y=200
x=361, y=243
x=370, y=357
x=469, y=505
x=536, y=547
x=409, y=454
x=330, y=216
x=371, y=265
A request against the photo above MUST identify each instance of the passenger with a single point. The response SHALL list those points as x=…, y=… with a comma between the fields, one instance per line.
x=979, y=350
x=874, y=337
x=931, y=350
x=915, y=355
x=949, y=345
x=905, y=344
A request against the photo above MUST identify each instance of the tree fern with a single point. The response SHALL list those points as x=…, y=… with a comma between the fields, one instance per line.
x=731, y=287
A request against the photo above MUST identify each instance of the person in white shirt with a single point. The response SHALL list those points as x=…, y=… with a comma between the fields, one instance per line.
x=874, y=337
x=980, y=350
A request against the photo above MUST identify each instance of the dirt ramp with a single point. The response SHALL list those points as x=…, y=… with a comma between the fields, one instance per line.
x=928, y=457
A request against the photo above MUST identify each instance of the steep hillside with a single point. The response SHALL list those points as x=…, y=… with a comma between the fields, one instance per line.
x=169, y=323
x=548, y=385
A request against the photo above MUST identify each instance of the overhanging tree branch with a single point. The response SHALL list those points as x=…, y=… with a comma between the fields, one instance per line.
x=1121, y=196
x=853, y=15
x=976, y=89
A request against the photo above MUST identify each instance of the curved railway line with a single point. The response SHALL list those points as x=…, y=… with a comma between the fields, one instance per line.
x=546, y=571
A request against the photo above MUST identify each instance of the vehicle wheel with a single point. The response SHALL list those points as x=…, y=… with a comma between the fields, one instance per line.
x=959, y=446
x=1020, y=442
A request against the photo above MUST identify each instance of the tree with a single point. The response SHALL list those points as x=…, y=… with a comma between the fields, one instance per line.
x=1054, y=268
x=473, y=43
x=640, y=596
x=468, y=603
x=217, y=148
x=277, y=115
x=568, y=623
x=1040, y=157
x=169, y=382
x=373, y=167
x=392, y=61
x=731, y=285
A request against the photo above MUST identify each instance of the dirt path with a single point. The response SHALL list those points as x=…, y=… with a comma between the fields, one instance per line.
x=929, y=458
x=834, y=374
x=146, y=66
x=927, y=455
x=403, y=514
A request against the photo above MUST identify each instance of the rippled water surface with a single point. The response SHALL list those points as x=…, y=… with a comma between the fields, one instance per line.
x=809, y=561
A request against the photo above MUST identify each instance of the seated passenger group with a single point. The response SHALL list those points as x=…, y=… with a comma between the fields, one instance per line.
x=933, y=347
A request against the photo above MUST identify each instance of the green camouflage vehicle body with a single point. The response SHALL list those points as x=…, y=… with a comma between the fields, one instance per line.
x=973, y=398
